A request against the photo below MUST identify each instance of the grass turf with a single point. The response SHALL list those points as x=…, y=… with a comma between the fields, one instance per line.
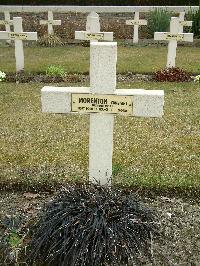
x=41, y=149
x=130, y=59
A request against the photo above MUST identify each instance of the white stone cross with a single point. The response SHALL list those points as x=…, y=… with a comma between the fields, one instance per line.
x=93, y=32
x=50, y=22
x=18, y=36
x=182, y=22
x=101, y=100
x=136, y=22
x=7, y=22
x=173, y=36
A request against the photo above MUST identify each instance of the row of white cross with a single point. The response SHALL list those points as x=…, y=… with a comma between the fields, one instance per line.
x=101, y=100
x=49, y=22
x=136, y=22
x=93, y=33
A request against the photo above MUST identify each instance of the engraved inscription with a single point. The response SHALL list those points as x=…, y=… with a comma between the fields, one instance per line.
x=110, y=104
x=186, y=23
x=136, y=22
x=5, y=22
x=18, y=36
x=94, y=36
x=171, y=36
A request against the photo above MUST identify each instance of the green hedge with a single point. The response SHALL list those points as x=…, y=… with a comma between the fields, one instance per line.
x=102, y=2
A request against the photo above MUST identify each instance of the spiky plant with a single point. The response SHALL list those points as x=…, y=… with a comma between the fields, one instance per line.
x=50, y=40
x=93, y=225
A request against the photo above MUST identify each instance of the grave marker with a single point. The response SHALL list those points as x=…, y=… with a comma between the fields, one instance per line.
x=93, y=32
x=102, y=100
x=18, y=36
x=136, y=22
x=183, y=22
x=7, y=22
x=50, y=22
x=173, y=36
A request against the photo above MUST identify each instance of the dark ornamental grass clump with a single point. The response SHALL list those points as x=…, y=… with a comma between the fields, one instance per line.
x=93, y=226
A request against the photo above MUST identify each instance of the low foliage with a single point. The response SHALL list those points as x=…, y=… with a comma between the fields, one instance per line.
x=92, y=225
x=55, y=71
x=50, y=40
x=158, y=21
x=12, y=234
x=195, y=17
x=174, y=74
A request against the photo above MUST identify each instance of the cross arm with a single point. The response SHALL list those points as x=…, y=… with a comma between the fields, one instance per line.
x=29, y=36
x=186, y=23
x=6, y=22
x=167, y=36
x=52, y=22
x=84, y=35
x=58, y=99
x=146, y=103
x=4, y=35
x=136, y=22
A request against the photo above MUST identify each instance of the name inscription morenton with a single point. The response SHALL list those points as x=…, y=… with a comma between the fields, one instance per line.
x=109, y=104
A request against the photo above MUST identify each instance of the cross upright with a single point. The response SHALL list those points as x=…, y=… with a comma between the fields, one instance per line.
x=50, y=22
x=136, y=22
x=7, y=22
x=101, y=100
x=18, y=36
x=183, y=22
x=173, y=37
x=93, y=32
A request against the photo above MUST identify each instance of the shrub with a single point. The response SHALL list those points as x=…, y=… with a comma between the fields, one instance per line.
x=50, y=40
x=171, y=74
x=195, y=17
x=93, y=225
x=158, y=20
x=55, y=71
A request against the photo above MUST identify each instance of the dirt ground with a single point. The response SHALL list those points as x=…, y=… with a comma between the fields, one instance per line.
x=179, y=243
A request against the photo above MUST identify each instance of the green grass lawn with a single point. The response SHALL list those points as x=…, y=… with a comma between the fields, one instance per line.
x=75, y=59
x=38, y=148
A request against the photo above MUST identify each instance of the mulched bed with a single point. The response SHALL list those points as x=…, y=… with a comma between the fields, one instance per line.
x=72, y=78
x=69, y=78
x=23, y=77
x=179, y=243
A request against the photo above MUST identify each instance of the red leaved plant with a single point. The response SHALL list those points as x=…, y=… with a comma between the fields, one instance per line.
x=172, y=74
